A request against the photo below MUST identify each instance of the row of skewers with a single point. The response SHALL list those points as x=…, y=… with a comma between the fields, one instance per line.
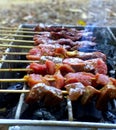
x=64, y=69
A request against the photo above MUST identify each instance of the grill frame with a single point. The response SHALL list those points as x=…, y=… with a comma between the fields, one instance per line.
x=57, y=124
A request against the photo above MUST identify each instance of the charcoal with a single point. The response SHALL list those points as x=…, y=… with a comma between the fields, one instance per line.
x=109, y=117
x=86, y=112
x=43, y=114
x=28, y=110
x=10, y=99
x=39, y=111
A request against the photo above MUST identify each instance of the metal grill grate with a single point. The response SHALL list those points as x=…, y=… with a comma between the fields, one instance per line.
x=18, y=42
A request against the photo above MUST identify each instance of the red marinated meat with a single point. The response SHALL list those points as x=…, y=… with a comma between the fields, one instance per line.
x=64, y=68
x=59, y=80
x=100, y=67
x=33, y=79
x=83, y=77
x=38, y=68
x=50, y=67
x=102, y=79
x=34, y=53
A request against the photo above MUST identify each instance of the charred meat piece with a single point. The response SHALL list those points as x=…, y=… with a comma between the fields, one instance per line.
x=75, y=90
x=48, y=94
x=106, y=93
x=88, y=94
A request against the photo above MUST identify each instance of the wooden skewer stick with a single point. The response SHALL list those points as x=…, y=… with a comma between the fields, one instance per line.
x=13, y=91
x=16, y=46
x=15, y=40
x=14, y=53
x=16, y=69
x=18, y=31
x=19, y=61
x=13, y=80
x=16, y=35
x=16, y=28
x=21, y=91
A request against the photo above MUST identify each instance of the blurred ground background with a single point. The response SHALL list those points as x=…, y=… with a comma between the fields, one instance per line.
x=77, y=12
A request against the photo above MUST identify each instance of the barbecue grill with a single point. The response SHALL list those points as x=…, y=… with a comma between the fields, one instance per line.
x=13, y=63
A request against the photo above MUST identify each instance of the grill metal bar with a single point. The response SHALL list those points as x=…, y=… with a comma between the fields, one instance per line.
x=70, y=112
x=20, y=104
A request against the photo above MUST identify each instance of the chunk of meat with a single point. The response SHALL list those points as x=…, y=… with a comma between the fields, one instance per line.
x=50, y=65
x=65, y=68
x=91, y=55
x=88, y=94
x=33, y=79
x=59, y=80
x=106, y=93
x=85, y=78
x=47, y=94
x=75, y=90
x=102, y=79
x=38, y=68
x=100, y=67
x=34, y=53
x=76, y=63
